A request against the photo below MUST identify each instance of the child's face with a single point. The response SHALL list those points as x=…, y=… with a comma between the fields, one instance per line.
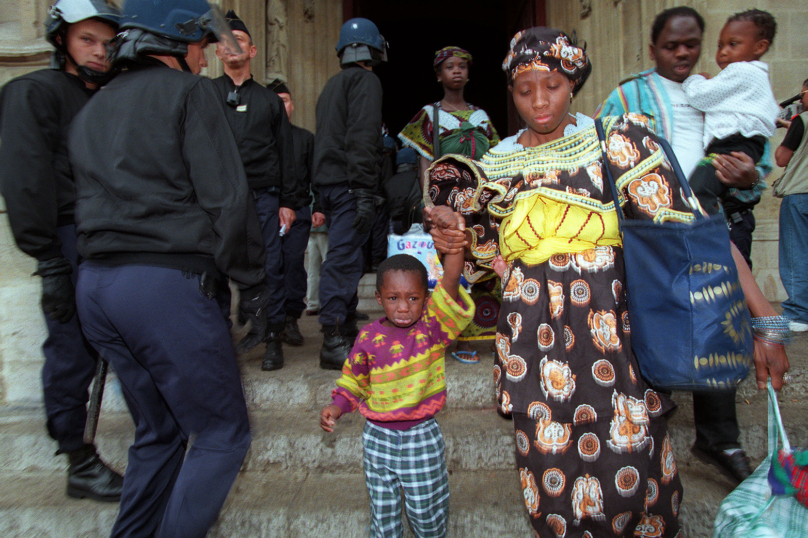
x=402, y=296
x=739, y=42
x=453, y=73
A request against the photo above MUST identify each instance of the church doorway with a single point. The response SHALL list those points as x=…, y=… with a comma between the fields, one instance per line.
x=416, y=29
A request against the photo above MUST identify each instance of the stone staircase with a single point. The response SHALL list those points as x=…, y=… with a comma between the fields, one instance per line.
x=299, y=481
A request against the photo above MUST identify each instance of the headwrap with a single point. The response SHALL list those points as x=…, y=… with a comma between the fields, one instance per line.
x=447, y=52
x=278, y=86
x=235, y=23
x=544, y=49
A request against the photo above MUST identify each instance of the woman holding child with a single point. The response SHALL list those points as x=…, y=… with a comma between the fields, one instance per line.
x=592, y=447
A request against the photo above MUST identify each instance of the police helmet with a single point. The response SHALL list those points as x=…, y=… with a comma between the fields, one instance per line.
x=360, y=40
x=66, y=12
x=186, y=21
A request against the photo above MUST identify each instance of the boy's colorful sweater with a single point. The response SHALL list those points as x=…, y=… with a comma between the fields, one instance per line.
x=396, y=377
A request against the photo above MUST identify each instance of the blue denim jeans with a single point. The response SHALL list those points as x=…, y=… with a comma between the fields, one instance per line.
x=794, y=255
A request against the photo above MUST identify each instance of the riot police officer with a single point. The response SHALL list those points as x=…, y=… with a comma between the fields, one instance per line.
x=162, y=213
x=35, y=112
x=347, y=151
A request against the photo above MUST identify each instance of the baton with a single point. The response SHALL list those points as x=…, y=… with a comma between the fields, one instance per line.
x=96, y=395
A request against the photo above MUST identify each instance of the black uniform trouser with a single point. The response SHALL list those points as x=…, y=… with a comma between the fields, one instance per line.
x=294, y=267
x=69, y=367
x=171, y=349
x=267, y=206
x=375, y=249
x=741, y=228
x=342, y=268
x=716, y=420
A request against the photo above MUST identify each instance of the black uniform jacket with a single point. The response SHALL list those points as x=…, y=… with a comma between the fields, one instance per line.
x=35, y=113
x=304, y=157
x=348, y=141
x=159, y=180
x=263, y=135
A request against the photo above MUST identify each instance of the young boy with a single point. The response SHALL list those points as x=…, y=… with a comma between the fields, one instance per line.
x=395, y=376
x=738, y=104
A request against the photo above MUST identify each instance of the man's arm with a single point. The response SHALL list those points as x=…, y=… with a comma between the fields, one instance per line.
x=791, y=142
x=282, y=132
x=364, y=122
x=220, y=185
x=783, y=156
x=29, y=136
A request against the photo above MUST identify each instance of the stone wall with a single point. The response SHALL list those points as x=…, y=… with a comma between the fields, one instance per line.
x=296, y=40
x=617, y=33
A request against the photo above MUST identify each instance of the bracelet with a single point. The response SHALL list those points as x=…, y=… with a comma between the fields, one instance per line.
x=755, y=183
x=772, y=323
x=769, y=342
x=772, y=329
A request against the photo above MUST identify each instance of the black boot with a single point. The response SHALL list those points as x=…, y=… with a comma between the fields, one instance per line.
x=351, y=327
x=273, y=356
x=291, y=332
x=336, y=346
x=89, y=477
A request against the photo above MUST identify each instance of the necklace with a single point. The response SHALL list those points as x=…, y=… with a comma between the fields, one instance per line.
x=453, y=107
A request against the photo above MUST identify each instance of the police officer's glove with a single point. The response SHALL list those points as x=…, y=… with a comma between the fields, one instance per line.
x=252, y=309
x=58, y=293
x=365, y=210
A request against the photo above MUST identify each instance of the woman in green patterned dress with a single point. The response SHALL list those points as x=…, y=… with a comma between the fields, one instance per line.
x=466, y=130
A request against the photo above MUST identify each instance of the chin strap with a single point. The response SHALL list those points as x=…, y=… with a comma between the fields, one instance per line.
x=184, y=64
x=86, y=74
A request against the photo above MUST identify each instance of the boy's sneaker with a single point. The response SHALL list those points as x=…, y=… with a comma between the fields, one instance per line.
x=797, y=326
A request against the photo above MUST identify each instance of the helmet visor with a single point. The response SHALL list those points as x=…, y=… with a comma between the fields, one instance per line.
x=215, y=26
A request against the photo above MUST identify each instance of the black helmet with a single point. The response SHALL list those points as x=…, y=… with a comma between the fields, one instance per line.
x=187, y=21
x=67, y=12
x=166, y=27
x=360, y=40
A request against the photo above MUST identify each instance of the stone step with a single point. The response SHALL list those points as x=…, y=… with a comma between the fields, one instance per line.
x=302, y=384
x=476, y=439
x=293, y=503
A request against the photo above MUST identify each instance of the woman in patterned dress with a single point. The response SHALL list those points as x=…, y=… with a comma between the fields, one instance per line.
x=592, y=447
x=467, y=130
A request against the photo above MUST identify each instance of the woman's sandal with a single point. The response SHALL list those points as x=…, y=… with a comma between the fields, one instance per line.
x=466, y=357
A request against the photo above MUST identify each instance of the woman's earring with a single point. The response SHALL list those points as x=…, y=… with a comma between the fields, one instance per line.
x=570, y=98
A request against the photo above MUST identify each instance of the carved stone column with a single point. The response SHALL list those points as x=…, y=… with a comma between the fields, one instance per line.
x=277, y=41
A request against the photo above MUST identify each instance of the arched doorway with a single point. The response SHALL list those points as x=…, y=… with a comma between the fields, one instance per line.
x=416, y=29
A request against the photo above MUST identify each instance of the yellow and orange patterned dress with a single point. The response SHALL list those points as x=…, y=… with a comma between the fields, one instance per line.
x=592, y=448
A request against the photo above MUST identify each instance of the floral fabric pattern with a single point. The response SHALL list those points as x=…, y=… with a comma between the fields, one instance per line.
x=563, y=364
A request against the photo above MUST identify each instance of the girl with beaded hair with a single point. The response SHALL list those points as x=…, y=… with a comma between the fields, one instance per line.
x=467, y=130
x=592, y=448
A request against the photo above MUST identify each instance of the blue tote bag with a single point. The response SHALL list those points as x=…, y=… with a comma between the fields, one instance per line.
x=690, y=325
